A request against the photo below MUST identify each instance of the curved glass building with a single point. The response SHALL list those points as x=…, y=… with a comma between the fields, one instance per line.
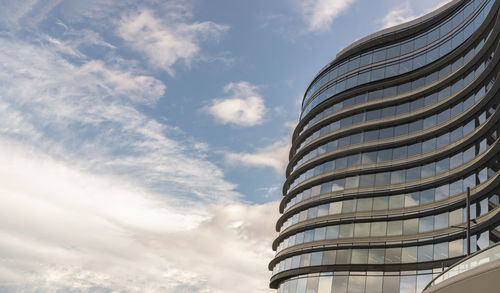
x=392, y=134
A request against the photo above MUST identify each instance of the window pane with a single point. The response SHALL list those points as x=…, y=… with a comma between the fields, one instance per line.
x=359, y=256
x=426, y=224
x=367, y=180
x=362, y=230
x=408, y=284
x=441, y=221
x=374, y=284
x=332, y=232
x=442, y=192
x=352, y=182
x=409, y=254
x=325, y=284
x=396, y=201
x=378, y=229
x=357, y=284
x=393, y=255
x=329, y=257
x=346, y=230
x=369, y=158
x=312, y=285
x=391, y=284
x=380, y=203
x=440, y=250
x=364, y=204
x=340, y=284
x=412, y=199
x=376, y=256
x=410, y=227
x=382, y=179
x=343, y=256
x=427, y=196
x=425, y=253
x=394, y=228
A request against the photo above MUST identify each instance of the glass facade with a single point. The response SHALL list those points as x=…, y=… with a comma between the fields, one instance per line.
x=392, y=134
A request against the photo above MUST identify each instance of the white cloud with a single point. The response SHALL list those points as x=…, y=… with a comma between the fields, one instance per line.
x=242, y=106
x=404, y=13
x=95, y=195
x=66, y=229
x=274, y=155
x=163, y=43
x=88, y=112
x=319, y=14
x=398, y=15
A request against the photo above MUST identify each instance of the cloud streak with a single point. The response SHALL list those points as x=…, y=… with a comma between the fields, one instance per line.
x=97, y=196
x=70, y=230
x=319, y=14
x=404, y=13
x=165, y=44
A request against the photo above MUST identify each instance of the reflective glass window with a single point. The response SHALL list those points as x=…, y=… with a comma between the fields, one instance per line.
x=397, y=176
x=376, y=255
x=391, y=284
x=359, y=256
x=378, y=229
x=384, y=155
x=357, y=284
x=396, y=201
x=346, y=230
x=329, y=257
x=443, y=165
x=409, y=254
x=394, y=228
x=413, y=174
x=412, y=199
x=312, y=284
x=441, y=221
x=352, y=182
x=369, y=158
x=383, y=178
x=399, y=153
x=348, y=206
x=415, y=149
x=340, y=282
x=332, y=232
x=428, y=170
x=440, y=250
x=443, y=140
x=410, y=226
x=442, y=192
x=380, y=203
x=343, y=256
x=426, y=224
x=325, y=284
x=364, y=204
x=362, y=230
x=427, y=196
x=425, y=253
x=374, y=284
x=408, y=284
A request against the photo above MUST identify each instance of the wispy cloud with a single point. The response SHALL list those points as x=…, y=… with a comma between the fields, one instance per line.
x=95, y=194
x=164, y=43
x=242, y=105
x=319, y=14
x=274, y=155
x=404, y=13
x=64, y=229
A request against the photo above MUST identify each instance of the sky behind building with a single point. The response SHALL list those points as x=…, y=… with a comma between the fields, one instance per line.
x=143, y=143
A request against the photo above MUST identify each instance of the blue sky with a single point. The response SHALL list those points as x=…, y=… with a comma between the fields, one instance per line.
x=143, y=143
